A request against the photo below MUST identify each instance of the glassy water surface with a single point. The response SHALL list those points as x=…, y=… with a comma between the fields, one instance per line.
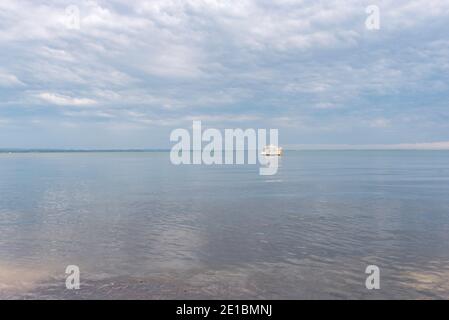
x=139, y=227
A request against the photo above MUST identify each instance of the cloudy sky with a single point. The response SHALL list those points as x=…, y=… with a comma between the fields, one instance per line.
x=135, y=70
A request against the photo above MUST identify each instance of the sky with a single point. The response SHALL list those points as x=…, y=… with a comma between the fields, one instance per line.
x=132, y=71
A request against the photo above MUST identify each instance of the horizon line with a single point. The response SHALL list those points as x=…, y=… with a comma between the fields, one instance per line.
x=441, y=145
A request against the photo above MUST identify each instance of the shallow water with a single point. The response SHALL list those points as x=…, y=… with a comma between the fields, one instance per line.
x=139, y=227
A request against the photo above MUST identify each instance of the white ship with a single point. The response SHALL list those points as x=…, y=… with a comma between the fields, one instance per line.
x=272, y=150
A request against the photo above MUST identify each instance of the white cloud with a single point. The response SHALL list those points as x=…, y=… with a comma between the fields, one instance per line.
x=90, y=114
x=51, y=53
x=4, y=122
x=379, y=123
x=63, y=100
x=325, y=105
x=9, y=80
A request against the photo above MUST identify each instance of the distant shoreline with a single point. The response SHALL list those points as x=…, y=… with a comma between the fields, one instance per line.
x=79, y=150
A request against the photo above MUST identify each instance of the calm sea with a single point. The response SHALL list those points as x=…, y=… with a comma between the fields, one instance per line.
x=139, y=227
